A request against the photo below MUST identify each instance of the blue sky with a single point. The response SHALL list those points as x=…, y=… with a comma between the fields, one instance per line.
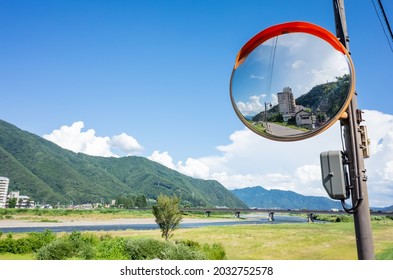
x=151, y=78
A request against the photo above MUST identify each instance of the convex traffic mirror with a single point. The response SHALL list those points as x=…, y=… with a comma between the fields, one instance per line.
x=292, y=81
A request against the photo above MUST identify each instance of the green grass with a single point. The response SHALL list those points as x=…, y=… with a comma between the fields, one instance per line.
x=330, y=241
x=334, y=241
x=48, y=221
x=11, y=257
x=51, y=215
x=284, y=241
x=386, y=254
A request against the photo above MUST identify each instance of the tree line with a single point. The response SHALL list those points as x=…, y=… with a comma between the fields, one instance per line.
x=131, y=201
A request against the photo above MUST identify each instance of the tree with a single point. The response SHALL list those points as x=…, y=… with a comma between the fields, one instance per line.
x=140, y=201
x=168, y=214
x=12, y=202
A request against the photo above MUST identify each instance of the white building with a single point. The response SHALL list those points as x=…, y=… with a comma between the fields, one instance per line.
x=3, y=191
x=305, y=119
x=22, y=201
x=286, y=102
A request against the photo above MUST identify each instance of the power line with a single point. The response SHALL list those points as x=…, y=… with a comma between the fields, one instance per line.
x=386, y=19
x=271, y=66
x=387, y=23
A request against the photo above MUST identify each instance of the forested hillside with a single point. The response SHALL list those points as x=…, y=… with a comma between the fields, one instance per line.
x=47, y=173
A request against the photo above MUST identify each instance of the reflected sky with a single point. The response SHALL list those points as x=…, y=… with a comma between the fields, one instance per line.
x=296, y=60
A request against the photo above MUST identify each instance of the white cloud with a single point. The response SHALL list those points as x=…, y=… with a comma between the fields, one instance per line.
x=126, y=143
x=387, y=171
x=298, y=64
x=251, y=160
x=74, y=139
x=253, y=106
x=256, y=77
x=162, y=158
x=194, y=168
x=308, y=173
x=380, y=164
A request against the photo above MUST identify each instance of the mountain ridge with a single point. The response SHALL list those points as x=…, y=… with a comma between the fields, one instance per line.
x=260, y=197
x=46, y=172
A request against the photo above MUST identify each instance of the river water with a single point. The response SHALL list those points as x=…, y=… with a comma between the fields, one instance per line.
x=251, y=219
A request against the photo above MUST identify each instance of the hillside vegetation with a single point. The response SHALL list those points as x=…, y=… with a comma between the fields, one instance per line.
x=48, y=173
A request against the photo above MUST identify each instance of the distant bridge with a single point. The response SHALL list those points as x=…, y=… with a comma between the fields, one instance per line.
x=272, y=211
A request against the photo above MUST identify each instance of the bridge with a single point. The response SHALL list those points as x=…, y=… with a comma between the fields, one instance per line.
x=272, y=211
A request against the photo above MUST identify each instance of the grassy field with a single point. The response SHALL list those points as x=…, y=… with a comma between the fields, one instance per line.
x=315, y=241
x=334, y=241
x=71, y=214
x=281, y=241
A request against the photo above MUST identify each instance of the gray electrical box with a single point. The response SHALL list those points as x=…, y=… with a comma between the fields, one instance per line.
x=333, y=176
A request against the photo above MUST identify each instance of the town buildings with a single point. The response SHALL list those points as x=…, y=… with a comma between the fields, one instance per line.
x=287, y=107
x=3, y=191
x=22, y=201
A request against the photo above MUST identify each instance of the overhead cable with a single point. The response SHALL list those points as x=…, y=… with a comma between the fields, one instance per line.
x=386, y=20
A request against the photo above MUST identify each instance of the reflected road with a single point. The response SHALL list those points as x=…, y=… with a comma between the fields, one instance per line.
x=280, y=130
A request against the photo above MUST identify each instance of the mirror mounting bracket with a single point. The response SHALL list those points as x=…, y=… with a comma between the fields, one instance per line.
x=344, y=116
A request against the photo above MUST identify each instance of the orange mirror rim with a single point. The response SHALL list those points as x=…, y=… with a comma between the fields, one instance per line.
x=295, y=27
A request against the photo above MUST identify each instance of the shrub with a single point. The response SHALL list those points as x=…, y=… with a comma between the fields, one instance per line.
x=112, y=249
x=182, y=252
x=147, y=249
x=190, y=243
x=39, y=239
x=343, y=219
x=214, y=252
x=74, y=245
x=29, y=244
x=21, y=246
x=59, y=249
x=144, y=249
x=7, y=245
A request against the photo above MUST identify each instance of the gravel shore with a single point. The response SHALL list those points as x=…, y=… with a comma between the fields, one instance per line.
x=59, y=223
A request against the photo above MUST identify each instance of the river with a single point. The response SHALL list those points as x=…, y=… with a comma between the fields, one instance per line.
x=250, y=219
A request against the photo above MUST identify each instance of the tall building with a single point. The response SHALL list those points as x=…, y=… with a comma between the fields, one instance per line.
x=3, y=191
x=286, y=102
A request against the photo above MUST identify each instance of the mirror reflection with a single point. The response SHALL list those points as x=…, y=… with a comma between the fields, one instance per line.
x=291, y=85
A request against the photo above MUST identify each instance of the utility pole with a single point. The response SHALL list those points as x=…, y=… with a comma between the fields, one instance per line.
x=355, y=145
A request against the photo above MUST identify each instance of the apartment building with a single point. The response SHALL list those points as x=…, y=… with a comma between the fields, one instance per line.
x=286, y=102
x=4, y=182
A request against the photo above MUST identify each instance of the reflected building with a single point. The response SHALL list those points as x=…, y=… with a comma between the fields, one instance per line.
x=3, y=191
x=305, y=119
x=286, y=102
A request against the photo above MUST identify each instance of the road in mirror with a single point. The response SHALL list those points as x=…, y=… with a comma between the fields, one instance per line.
x=291, y=86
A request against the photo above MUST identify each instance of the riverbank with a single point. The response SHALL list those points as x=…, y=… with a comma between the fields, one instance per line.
x=96, y=222
x=195, y=221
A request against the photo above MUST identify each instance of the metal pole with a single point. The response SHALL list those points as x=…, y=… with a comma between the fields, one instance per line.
x=354, y=151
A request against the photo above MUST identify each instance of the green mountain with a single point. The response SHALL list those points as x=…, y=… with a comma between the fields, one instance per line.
x=47, y=173
x=326, y=99
x=262, y=198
